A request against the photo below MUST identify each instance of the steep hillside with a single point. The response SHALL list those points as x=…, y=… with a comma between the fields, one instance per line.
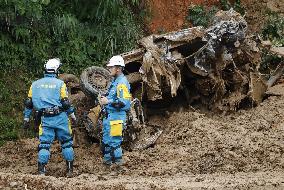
x=168, y=15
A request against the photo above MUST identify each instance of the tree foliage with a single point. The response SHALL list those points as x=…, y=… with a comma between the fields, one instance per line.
x=273, y=30
x=81, y=33
x=198, y=15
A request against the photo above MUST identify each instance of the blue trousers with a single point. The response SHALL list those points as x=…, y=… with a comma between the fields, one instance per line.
x=112, y=137
x=51, y=127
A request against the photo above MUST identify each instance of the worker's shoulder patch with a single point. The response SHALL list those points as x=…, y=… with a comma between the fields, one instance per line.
x=123, y=91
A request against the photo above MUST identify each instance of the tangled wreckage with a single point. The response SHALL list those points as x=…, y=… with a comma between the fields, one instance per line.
x=216, y=67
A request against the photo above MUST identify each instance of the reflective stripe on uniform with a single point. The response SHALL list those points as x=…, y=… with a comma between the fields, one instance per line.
x=40, y=130
x=69, y=127
x=30, y=92
x=63, y=91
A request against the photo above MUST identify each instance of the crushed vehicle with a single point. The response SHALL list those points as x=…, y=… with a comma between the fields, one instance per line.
x=216, y=67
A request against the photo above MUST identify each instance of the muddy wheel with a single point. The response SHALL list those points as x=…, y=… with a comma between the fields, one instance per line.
x=134, y=77
x=95, y=80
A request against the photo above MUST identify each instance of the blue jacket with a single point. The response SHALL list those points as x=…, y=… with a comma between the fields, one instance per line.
x=119, y=92
x=47, y=92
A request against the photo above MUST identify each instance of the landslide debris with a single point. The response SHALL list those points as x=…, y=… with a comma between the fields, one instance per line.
x=194, y=145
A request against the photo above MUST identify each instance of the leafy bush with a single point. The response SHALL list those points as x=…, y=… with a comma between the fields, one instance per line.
x=237, y=6
x=273, y=30
x=12, y=89
x=8, y=129
x=81, y=33
x=199, y=16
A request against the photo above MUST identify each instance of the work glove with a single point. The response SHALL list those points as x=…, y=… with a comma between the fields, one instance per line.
x=26, y=123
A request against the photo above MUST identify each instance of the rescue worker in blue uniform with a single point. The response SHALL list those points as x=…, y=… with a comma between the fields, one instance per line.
x=49, y=97
x=116, y=104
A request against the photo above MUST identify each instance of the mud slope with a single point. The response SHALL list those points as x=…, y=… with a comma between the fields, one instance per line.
x=169, y=15
x=243, y=150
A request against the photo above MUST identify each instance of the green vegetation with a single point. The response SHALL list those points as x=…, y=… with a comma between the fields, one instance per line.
x=81, y=33
x=13, y=87
x=237, y=6
x=200, y=15
x=273, y=31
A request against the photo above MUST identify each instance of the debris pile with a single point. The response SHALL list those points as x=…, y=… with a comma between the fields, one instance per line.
x=216, y=66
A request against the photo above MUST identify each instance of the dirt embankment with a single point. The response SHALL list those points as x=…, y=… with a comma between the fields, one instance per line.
x=234, y=151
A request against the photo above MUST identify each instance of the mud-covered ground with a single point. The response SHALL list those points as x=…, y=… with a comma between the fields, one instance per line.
x=242, y=150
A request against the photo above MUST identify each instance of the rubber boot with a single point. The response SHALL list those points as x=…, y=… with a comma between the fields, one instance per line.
x=69, y=168
x=41, y=169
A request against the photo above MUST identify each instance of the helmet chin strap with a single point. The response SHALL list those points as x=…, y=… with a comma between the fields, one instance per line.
x=52, y=66
x=56, y=73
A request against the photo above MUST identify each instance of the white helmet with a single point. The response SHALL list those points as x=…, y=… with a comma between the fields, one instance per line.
x=116, y=61
x=52, y=65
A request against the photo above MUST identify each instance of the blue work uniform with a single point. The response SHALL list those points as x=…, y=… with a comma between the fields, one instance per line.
x=119, y=98
x=47, y=93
